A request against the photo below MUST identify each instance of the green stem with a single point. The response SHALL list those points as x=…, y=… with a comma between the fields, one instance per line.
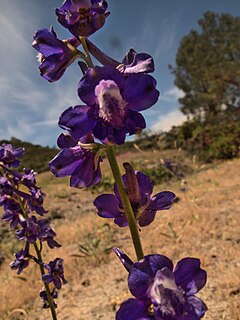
x=125, y=202
x=50, y=298
x=87, y=57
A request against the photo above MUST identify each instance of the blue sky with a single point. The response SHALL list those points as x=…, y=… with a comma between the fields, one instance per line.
x=30, y=106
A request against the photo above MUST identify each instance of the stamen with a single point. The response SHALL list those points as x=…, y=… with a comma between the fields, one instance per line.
x=112, y=107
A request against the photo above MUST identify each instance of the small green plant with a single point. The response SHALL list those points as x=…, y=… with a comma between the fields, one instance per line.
x=96, y=244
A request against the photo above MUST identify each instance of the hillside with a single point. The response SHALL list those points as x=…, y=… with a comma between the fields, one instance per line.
x=204, y=223
x=36, y=157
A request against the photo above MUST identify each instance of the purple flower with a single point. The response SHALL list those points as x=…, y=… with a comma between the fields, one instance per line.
x=10, y=156
x=6, y=187
x=22, y=260
x=55, y=273
x=29, y=178
x=133, y=62
x=163, y=293
x=54, y=55
x=33, y=230
x=139, y=189
x=83, y=165
x=82, y=17
x=14, y=217
x=35, y=201
x=43, y=296
x=113, y=102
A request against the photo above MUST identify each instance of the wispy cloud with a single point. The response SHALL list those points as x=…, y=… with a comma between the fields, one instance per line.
x=27, y=107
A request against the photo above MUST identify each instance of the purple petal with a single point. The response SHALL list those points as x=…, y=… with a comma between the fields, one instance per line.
x=46, y=42
x=140, y=92
x=190, y=276
x=133, y=309
x=161, y=201
x=121, y=221
x=126, y=261
x=66, y=161
x=109, y=134
x=66, y=141
x=145, y=184
x=78, y=120
x=135, y=122
x=107, y=206
x=199, y=306
x=143, y=273
x=146, y=218
x=57, y=283
x=47, y=278
x=86, y=175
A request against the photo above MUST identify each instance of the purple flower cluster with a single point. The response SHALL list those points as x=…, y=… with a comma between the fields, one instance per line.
x=113, y=94
x=112, y=97
x=22, y=202
x=161, y=292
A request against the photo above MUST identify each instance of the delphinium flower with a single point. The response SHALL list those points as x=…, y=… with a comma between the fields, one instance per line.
x=9, y=155
x=22, y=202
x=54, y=55
x=55, y=273
x=22, y=259
x=79, y=159
x=82, y=17
x=112, y=105
x=133, y=62
x=162, y=292
x=139, y=189
x=43, y=296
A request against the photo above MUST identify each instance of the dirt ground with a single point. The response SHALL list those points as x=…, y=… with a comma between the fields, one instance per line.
x=204, y=223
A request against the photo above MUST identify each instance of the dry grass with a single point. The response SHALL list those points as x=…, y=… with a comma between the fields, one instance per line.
x=204, y=223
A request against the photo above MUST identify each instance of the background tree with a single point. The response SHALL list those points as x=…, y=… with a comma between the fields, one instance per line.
x=208, y=67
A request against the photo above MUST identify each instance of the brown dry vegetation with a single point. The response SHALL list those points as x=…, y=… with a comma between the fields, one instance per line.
x=204, y=224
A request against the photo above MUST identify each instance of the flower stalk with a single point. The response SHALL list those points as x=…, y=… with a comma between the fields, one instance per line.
x=46, y=285
x=126, y=202
x=40, y=263
x=87, y=59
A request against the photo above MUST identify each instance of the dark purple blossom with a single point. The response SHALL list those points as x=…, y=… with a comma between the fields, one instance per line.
x=113, y=105
x=33, y=230
x=82, y=164
x=54, y=55
x=133, y=62
x=82, y=17
x=22, y=260
x=28, y=178
x=35, y=201
x=6, y=187
x=139, y=189
x=55, y=273
x=14, y=217
x=9, y=155
x=43, y=296
x=164, y=293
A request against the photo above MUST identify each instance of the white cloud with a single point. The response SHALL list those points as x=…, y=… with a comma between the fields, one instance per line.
x=172, y=94
x=167, y=121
